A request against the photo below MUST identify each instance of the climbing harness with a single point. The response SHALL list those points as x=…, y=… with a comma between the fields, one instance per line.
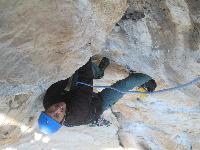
x=196, y=80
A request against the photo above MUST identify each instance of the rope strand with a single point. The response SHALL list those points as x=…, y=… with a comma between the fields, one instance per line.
x=196, y=80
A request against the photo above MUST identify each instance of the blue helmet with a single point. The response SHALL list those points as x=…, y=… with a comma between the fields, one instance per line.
x=48, y=125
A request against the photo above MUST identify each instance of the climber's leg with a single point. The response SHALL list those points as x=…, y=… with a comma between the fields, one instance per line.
x=98, y=71
x=87, y=73
x=110, y=96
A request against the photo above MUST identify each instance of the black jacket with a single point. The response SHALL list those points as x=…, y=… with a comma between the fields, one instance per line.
x=83, y=104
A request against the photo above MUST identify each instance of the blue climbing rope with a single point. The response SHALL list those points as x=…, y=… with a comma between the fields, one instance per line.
x=196, y=80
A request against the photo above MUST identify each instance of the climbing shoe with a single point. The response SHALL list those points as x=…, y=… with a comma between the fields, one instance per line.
x=104, y=63
x=150, y=86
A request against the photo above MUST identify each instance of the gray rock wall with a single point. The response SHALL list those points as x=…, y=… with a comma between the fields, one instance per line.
x=42, y=42
x=159, y=38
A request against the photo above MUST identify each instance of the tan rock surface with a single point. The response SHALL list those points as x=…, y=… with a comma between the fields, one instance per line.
x=160, y=39
x=41, y=39
x=45, y=41
x=42, y=42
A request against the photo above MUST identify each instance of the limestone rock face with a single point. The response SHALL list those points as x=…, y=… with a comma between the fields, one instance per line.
x=42, y=42
x=160, y=39
x=40, y=39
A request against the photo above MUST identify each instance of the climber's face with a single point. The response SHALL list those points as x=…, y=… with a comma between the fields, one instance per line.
x=57, y=111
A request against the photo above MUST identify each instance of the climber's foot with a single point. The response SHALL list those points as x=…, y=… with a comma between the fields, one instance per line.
x=150, y=86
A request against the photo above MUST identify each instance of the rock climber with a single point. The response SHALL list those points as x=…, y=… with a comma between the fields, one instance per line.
x=70, y=104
